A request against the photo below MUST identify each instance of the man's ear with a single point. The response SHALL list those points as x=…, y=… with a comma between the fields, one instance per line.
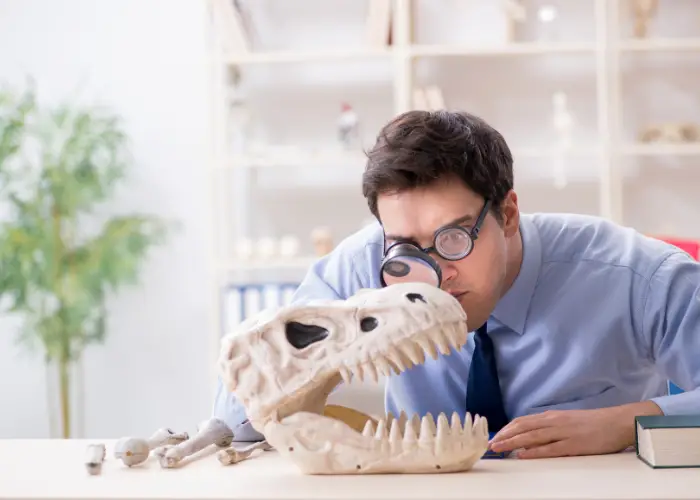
x=511, y=214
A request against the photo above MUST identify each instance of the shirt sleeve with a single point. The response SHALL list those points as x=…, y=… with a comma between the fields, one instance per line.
x=331, y=277
x=672, y=326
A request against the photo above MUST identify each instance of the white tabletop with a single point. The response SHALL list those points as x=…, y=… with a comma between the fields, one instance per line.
x=54, y=469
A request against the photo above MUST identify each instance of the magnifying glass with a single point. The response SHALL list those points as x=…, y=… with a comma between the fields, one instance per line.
x=404, y=262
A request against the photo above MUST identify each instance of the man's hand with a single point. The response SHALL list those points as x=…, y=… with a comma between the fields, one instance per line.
x=559, y=433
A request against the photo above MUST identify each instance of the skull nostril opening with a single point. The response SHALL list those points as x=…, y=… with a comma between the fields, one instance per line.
x=368, y=324
x=413, y=297
x=300, y=335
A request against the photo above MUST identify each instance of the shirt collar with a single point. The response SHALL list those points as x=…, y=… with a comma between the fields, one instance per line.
x=512, y=309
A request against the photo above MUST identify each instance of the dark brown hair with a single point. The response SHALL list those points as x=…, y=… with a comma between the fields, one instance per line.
x=418, y=148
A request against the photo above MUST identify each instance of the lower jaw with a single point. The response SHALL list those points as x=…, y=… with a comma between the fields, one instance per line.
x=321, y=445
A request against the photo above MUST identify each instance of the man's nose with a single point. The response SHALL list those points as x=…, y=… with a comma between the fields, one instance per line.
x=449, y=270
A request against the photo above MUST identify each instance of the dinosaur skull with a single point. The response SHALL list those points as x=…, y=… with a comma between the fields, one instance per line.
x=282, y=365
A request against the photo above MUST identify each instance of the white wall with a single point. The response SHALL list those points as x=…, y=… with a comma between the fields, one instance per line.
x=146, y=60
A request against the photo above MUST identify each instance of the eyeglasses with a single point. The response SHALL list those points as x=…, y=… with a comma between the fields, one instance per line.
x=405, y=260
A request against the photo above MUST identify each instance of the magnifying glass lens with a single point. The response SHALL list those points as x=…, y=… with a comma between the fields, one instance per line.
x=401, y=269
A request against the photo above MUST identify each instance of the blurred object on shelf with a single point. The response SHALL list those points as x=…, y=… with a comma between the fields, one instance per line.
x=246, y=299
x=547, y=15
x=379, y=25
x=348, y=127
x=428, y=98
x=322, y=239
x=563, y=123
x=241, y=117
x=289, y=246
x=515, y=13
x=671, y=133
x=643, y=10
x=233, y=24
x=266, y=248
x=434, y=97
x=243, y=248
x=562, y=120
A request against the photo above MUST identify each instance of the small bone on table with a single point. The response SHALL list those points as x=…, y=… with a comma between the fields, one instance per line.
x=55, y=469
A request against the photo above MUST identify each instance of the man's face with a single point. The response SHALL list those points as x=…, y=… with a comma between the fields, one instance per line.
x=478, y=280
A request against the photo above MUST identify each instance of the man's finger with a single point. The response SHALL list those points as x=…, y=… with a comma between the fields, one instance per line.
x=536, y=437
x=521, y=425
x=555, y=449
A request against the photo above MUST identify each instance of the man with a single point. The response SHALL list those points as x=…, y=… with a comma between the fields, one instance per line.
x=586, y=320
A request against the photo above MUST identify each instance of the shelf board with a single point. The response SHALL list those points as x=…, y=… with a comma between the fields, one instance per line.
x=543, y=152
x=353, y=159
x=519, y=48
x=659, y=44
x=300, y=56
x=340, y=158
x=655, y=149
x=274, y=264
x=419, y=50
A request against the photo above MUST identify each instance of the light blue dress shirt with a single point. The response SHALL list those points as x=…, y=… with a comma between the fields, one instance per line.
x=598, y=316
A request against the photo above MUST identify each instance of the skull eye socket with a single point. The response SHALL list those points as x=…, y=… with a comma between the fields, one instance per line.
x=301, y=335
x=368, y=324
x=413, y=297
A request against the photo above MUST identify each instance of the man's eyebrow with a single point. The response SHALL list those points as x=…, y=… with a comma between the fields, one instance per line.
x=455, y=222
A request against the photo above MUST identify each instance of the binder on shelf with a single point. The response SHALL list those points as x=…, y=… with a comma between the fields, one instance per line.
x=379, y=23
x=229, y=17
x=428, y=98
x=241, y=301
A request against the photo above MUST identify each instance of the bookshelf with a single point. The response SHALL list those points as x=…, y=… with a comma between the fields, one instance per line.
x=301, y=58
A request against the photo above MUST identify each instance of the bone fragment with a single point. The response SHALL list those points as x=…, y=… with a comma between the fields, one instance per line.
x=231, y=455
x=94, y=456
x=133, y=451
x=213, y=431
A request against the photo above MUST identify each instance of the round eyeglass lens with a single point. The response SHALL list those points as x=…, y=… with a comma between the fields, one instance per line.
x=453, y=243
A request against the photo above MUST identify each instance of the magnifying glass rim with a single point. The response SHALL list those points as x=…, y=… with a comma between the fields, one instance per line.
x=411, y=251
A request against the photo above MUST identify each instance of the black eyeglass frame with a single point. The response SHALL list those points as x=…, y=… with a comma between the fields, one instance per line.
x=410, y=248
x=472, y=233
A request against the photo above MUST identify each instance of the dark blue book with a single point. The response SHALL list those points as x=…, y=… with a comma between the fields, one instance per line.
x=668, y=441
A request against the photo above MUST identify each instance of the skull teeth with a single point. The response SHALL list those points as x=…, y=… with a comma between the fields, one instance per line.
x=398, y=358
x=403, y=433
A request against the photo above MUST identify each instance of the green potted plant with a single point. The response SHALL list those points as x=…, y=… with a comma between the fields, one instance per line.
x=59, y=259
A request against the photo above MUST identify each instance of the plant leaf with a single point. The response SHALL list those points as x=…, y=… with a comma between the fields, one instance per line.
x=57, y=165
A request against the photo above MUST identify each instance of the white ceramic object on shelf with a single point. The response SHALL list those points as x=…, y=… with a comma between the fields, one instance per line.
x=289, y=246
x=267, y=248
x=563, y=123
x=243, y=249
x=322, y=239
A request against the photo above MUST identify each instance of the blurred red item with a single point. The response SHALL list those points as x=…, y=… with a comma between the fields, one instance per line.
x=690, y=246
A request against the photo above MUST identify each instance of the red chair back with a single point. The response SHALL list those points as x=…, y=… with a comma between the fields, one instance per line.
x=690, y=246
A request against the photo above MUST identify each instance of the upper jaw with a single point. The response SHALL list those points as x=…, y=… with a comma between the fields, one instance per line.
x=393, y=358
x=399, y=357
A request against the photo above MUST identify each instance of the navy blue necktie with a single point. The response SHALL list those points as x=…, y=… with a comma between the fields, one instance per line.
x=483, y=390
